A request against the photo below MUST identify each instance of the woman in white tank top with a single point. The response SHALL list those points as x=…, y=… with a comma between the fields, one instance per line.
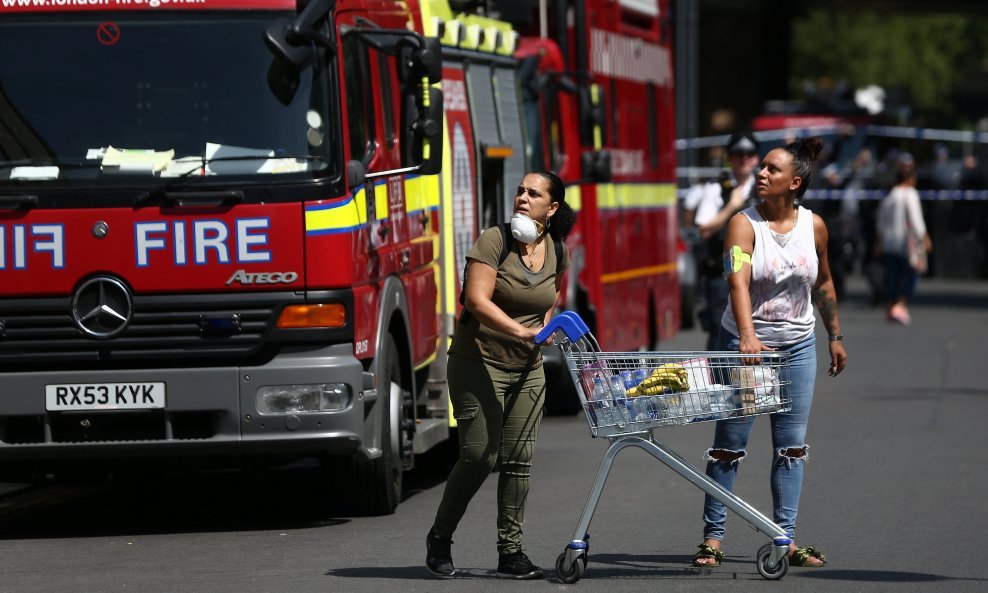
x=776, y=267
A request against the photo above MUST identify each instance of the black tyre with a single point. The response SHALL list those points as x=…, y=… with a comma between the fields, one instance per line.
x=377, y=483
x=775, y=573
x=570, y=573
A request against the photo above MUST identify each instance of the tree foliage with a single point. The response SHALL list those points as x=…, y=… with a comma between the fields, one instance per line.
x=925, y=54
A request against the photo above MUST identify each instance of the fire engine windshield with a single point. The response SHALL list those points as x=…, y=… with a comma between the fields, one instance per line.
x=89, y=99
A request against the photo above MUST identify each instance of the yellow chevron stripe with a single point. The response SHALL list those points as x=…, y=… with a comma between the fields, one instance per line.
x=626, y=275
x=381, y=204
x=341, y=216
x=574, y=197
x=635, y=195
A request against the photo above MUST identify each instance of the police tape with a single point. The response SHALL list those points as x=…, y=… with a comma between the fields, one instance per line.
x=941, y=195
x=911, y=133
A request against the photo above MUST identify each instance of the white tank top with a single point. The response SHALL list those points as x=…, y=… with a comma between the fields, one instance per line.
x=783, y=273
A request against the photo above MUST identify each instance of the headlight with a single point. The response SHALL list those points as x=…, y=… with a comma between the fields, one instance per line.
x=295, y=399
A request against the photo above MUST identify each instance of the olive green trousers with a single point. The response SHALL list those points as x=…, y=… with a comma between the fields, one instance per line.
x=498, y=415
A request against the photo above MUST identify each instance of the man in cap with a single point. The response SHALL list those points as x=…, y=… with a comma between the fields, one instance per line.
x=708, y=208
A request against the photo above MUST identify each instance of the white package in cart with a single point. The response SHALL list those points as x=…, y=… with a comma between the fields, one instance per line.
x=757, y=389
x=700, y=377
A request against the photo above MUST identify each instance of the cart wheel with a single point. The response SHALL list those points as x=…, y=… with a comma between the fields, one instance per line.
x=572, y=573
x=761, y=560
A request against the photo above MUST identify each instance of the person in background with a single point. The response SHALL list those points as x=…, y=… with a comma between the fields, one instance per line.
x=496, y=379
x=775, y=259
x=902, y=240
x=707, y=209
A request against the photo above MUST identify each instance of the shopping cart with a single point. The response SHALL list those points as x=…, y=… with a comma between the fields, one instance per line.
x=627, y=395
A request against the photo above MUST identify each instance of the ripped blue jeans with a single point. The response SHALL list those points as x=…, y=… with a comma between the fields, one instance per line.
x=789, y=447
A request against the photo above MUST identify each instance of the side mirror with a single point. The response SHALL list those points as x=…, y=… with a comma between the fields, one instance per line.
x=429, y=128
x=422, y=59
x=429, y=60
x=356, y=174
x=283, y=80
x=282, y=43
x=596, y=165
x=292, y=40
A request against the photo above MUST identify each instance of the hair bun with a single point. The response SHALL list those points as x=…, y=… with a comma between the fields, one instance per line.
x=811, y=147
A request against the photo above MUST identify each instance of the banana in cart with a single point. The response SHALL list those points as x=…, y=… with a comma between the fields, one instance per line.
x=670, y=377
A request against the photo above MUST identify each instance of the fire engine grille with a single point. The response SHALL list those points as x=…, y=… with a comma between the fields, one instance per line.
x=109, y=427
x=166, y=329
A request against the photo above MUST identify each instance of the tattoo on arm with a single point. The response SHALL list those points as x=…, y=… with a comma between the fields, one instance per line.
x=827, y=305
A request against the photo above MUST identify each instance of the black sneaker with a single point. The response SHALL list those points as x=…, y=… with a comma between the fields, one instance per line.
x=517, y=566
x=438, y=558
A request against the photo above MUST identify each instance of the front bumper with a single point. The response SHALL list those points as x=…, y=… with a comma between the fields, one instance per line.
x=208, y=411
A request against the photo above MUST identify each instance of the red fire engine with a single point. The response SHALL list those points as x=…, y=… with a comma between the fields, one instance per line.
x=606, y=122
x=598, y=109
x=218, y=233
x=596, y=98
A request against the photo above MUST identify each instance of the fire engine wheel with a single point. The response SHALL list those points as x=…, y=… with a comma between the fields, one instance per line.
x=378, y=481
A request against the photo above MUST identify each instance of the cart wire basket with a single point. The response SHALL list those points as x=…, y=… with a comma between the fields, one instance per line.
x=626, y=395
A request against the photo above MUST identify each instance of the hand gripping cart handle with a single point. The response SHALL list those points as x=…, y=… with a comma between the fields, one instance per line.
x=626, y=395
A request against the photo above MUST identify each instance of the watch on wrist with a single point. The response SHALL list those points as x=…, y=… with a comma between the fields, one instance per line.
x=837, y=338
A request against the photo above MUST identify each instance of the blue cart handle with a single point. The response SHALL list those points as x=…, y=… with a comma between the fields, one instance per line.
x=569, y=322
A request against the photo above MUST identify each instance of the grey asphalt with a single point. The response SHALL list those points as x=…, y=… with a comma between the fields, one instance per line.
x=894, y=494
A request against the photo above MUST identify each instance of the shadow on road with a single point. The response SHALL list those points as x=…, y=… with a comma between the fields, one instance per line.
x=300, y=496
x=882, y=576
x=407, y=572
x=176, y=502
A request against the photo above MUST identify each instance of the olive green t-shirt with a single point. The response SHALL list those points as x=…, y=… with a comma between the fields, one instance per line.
x=523, y=294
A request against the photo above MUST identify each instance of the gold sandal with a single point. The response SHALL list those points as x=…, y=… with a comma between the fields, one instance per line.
x=801, y=556
x=705, y=553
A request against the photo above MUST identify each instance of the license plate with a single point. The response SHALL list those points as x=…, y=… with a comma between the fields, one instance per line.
x=104, y=396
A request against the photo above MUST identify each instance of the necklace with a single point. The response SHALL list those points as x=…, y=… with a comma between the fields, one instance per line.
x=782, y=238
x=531, y=258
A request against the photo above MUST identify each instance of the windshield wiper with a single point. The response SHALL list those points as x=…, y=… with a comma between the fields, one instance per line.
x=18, y=202
x=174, y=192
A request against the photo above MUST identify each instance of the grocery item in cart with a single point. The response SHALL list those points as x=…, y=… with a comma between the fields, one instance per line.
x=668, y=378
x=757, y=389
x=721, y=401
x=698, y=373
x=601, y=406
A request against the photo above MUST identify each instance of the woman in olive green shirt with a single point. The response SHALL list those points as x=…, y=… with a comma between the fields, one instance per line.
x=496, y=382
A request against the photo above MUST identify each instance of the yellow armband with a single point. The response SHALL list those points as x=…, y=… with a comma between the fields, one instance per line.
x=734, y=258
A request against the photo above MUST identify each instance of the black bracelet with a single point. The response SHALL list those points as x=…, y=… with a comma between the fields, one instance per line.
x=837, y=338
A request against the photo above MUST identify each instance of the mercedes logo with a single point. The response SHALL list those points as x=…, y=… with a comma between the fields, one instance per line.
x=102, y=307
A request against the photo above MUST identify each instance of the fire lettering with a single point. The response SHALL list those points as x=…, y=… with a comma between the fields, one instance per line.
x=37, y=238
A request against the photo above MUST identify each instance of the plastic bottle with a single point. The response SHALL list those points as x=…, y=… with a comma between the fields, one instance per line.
x=644, y=408
x=620, y=397
x=640, y=374
x=600, y=405
x=628, y=378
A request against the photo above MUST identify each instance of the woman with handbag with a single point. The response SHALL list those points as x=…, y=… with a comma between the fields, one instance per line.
x=902, y=240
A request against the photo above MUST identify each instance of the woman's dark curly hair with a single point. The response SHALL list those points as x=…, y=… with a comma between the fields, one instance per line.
x=804, y=153
x=562, y=222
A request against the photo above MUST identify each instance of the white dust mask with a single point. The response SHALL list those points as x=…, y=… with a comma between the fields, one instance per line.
x=524, y=228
